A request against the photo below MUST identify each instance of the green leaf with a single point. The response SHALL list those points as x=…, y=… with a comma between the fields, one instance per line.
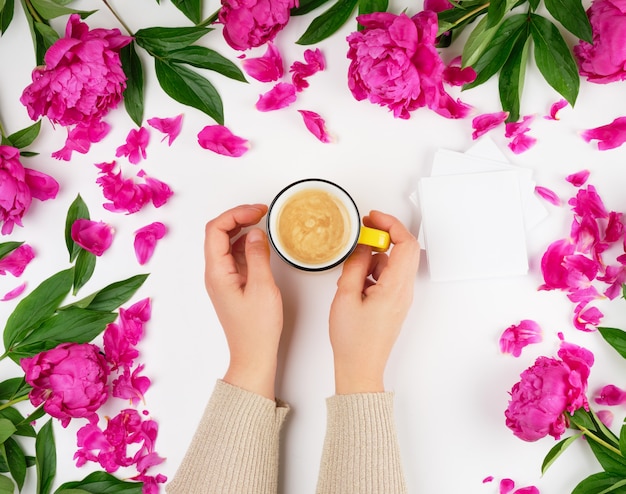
x=511, y=81
x=25, y=137
x=49, y=9
x=369, y=6
x=191, y=8
x=571, y=14
x=306, y=6
x=77, y=210
x=556, y=451
x=85, y=266
x=478, y=40
x=205, y=58
x=554, y=58
x=495, y=12
x=23, y=426
x=162, y=40
x=133, y=94
x=601, y=483
x=46, y=34
x=70, y=325
x=46, y=454
x=6, y=15
x=17, y=461
x=12, y=388
x=499, y=49
x=461, y=15
x=189, y=88
x=112, y=296
x=609, y=460
x=36, y=307
x=7, y=429
x=6, y=485
x=622, y=439
x=100, y=482
x=7, y=247
x=616, y=338
x=328, y=23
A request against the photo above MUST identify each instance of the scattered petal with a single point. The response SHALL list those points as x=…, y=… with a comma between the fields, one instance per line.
x=489, y=478
x=268, y=68
x=314, y=62
x=608, y=136
x=548, y=195
x=456, y=75
x=131, y=386
x=522, y=143
x=145, y=240
x=487, y=121
x=316, y=124
x=171, y=127
x=610, y=395
x=578, y=179
x=280, y=96
x=506, y=486
x=42, y=186
x=554, y=109
x=587, y=318
x=606, y=417
x=135, y=147
x=81, y=137
x=16, y=292
x=221, y=140
x=15, y=262
x=516, y=337
x=95, y=237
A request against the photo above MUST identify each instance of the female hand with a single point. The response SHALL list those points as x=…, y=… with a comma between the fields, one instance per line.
x=374, y=294
x=247, y=301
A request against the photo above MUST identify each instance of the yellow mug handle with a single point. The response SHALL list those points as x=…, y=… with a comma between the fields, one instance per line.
x=378, y=240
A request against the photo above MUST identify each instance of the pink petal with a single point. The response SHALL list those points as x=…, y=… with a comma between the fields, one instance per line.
x=42, y=186
x=158, y=191
x=454, y=75
x=506, y=486
x=81, y=137
x=522, y=143
x=610, y=395
x=221, y=140
x=606, y=417
x=522, y=126
x=554, y=109
x=578, y=179
x=608, y=136
x=171, y=127
x=16, y=292
x=548, y=195
x=489, y=478
x=95, y=237
x=15, y=262
x=516, y=337
x=280, y=96
x=301, y=71
x=587, y=318
x=315, y=124
x=267, y=68
x=135, y=147
x=487, y=121
x=145, y=240
x=527, y=490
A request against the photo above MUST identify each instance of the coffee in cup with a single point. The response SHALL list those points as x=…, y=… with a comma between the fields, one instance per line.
x=314, y=225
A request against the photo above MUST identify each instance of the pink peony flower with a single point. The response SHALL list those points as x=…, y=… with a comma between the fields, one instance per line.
x=18, y=186
x=547, y=391
x=516, y=337
x=605, y=60
x=280, y=96
x=135, y=147
x=313, y=62
x=221, y=140
x=250, y=23
x=70, y=380
x=93, y=236
x=486, y=122
x=315, y=124
x=145, y=240
x=609, y=136
x=82, y=78
x=267, y=68
x=171, y=127
x=394, y=63
x=15, y=262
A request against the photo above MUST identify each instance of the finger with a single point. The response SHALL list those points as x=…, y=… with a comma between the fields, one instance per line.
x=219, y=231
x=404, y=256
x=238, y=251
x=259, y=273
x=378, y=264
x=355, y=271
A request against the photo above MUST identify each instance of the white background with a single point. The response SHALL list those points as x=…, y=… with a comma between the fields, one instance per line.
x=451, y=381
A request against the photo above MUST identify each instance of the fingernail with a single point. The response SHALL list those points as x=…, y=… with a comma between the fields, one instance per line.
x=255, y=235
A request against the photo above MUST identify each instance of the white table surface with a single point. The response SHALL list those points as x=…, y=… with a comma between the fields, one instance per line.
x=451, y=381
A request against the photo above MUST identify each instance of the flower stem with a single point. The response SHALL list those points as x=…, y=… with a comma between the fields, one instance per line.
x=209, y=20
x=33, y=12
x=471, y=13
x=119, y=19
x=13, y=402
x=600, y=441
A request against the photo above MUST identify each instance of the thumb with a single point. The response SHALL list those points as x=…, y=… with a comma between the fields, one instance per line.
x=355, y=270
x=258, y=259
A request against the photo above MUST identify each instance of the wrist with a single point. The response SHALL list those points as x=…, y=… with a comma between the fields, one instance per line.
x=358, y=382
x=259, y=379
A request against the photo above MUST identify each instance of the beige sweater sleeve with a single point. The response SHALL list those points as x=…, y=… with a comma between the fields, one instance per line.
x=235, y=448
x=361, y=452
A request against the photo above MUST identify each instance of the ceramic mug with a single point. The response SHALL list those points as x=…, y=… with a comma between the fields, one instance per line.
x=314, y=225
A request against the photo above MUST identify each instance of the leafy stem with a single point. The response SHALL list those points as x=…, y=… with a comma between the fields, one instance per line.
x=33, y=12
x=210, y=20
x=13, y=402
x=119, y=19
x=470, y=14
x=599, y=440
